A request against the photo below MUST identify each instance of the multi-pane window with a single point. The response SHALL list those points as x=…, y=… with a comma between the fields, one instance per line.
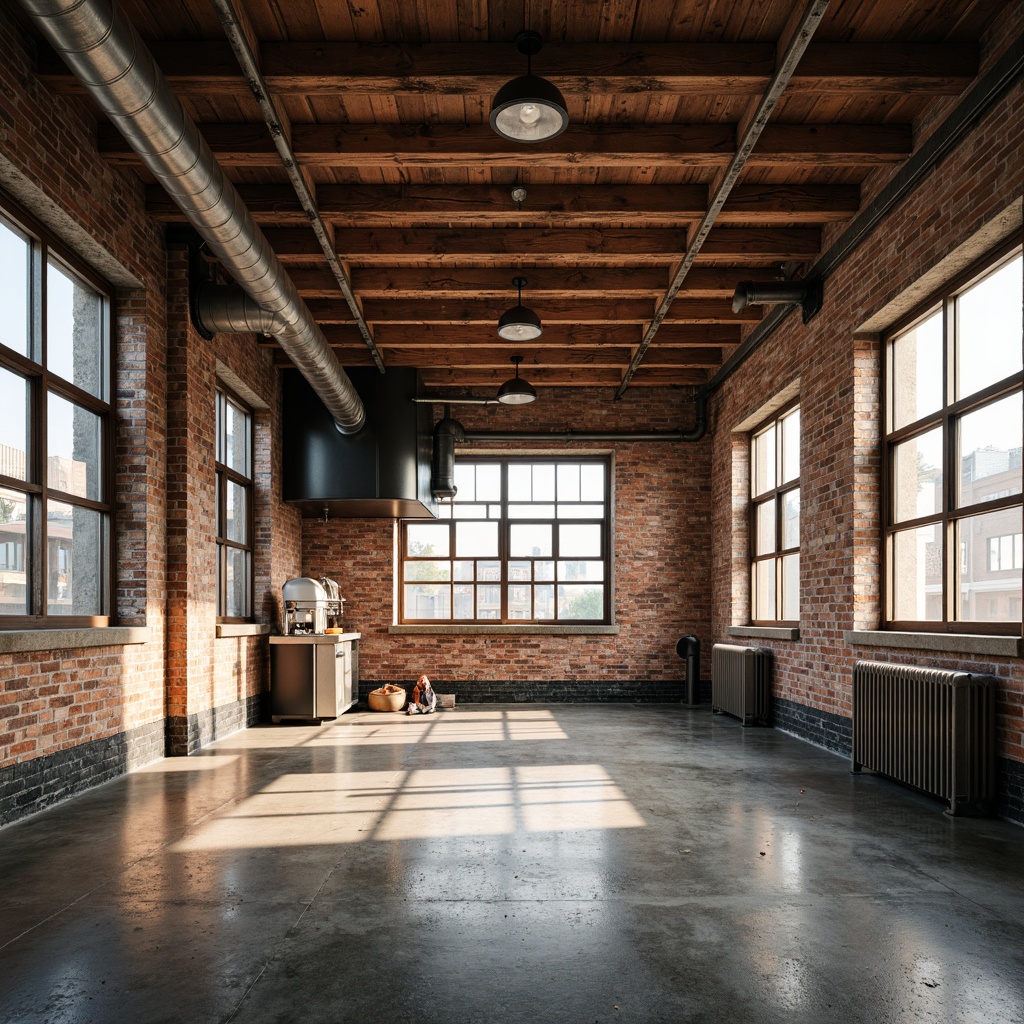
x=775, y=520
x=955, y=421
x=234, y=509
x=523, y=541
x=55, y=434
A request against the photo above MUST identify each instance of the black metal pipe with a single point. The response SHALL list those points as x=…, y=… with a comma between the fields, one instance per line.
x=688, y=648
x=696, y=433
x=442, y=470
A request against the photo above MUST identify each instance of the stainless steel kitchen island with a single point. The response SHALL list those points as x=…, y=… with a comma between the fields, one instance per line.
x=313, y=676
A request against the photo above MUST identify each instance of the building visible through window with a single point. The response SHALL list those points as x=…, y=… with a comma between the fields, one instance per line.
x=523, y=541
x=55, y=434
x=775, y=520
x=954, y=436
x=234, y=509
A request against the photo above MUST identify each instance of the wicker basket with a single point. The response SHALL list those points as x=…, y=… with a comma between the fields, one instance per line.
x=377, y=700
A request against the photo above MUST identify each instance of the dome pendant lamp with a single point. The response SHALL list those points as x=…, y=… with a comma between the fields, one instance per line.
x=519, y=323
x=528, y=108
x=516, y=391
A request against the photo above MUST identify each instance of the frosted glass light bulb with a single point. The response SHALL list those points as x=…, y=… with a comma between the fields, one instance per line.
x=529, y=113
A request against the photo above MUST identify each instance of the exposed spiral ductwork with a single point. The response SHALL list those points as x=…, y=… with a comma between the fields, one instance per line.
x=218, y=307
x=105, y=52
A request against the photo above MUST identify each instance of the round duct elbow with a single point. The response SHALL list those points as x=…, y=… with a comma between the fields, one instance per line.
x=757, y=293
x=228, y=309
x=442, y=470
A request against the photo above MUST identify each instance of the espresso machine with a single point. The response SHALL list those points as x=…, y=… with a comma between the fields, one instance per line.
x=311, y=606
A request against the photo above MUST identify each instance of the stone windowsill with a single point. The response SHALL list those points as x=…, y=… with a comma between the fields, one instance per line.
x=243, y=629
x=13, y=640
x=958, y=643
x=503, y=629
x=766, y=632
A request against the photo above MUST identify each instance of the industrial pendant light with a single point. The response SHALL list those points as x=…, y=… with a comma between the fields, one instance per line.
x=516, y=391
x=519, y=323
x=528, y=108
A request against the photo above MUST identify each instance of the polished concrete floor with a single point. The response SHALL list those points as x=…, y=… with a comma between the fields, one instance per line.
x=541, y=863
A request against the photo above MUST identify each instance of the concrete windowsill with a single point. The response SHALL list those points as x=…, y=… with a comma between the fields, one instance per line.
x=13, y=640
x=504, y=629
x=243, y=629
x=766, y=632
x=959, y=643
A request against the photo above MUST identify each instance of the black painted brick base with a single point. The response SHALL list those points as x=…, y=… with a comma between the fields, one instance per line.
x=1010, y=789
x=822, y=728
x=187, y=735
x=41, y=782
x=558, y=691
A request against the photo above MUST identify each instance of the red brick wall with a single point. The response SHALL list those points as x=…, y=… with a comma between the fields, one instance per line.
x=839, y=399
x=662, y=553
x=52, y=701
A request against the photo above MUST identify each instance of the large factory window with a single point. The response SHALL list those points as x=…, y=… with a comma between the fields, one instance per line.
x=775, y=520
x=524, y=541
x=953, y=479
x=234, y=509
x=55, y=433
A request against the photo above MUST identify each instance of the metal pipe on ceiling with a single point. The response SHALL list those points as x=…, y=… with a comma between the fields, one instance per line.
x=233, y=27
x=103, y=49
x=799, y=42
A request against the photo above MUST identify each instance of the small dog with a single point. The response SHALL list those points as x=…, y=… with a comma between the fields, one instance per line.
x=423, y=700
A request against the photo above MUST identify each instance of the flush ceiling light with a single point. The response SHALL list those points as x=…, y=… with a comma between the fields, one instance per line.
x=516, y=391
x=528, y=109
x=519, y=323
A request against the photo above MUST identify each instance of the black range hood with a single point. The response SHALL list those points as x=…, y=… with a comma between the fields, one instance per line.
x=381, y=472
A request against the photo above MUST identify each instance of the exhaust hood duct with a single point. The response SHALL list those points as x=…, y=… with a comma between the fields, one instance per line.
x=447, y=434
x=770, y=293
x=383, y=472
x=102, y=48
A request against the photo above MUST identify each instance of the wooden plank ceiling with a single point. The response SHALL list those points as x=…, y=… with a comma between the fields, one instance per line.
x=387, y=108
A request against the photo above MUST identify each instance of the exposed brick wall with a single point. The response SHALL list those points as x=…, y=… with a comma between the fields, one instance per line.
x=662, y=555
x=73, y=718
x=53, y=705
x=839, y=382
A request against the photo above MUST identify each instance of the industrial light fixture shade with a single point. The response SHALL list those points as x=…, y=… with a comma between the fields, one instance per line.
x=516, y=391
x=529, y=108
x=519, y=323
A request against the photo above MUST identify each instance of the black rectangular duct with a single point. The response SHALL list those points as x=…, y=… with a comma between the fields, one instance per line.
x=381, y=472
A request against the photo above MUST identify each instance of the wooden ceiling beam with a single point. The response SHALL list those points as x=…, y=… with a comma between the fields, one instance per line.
x=207, y=67
x=393, y=247
x=548, y=282
x=496, y=284
x=478, y=357
x=444, y=336
x=606, y=145
x=467, y=313
x=566, y=205
x=542, y=376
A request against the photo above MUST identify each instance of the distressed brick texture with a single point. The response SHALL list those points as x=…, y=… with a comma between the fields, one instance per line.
x=839, y=373
x=662, y=555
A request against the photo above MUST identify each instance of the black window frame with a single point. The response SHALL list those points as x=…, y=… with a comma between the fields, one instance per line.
x=505, y=581
x=943, y=302
x=226, y=474
x=773, y=495
x=46, y=249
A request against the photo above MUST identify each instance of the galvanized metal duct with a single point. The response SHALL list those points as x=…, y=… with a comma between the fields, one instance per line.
x=225, y=307
x=102, y=48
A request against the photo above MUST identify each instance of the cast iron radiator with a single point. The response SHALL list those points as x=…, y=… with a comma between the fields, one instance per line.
x=740, y=682
x=930, y=728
